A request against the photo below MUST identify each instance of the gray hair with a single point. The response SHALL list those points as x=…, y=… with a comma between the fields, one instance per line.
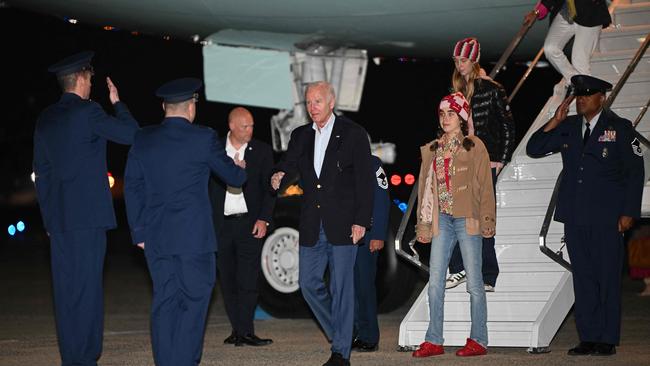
x=323, y=84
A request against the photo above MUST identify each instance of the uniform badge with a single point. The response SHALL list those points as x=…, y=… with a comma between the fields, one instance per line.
x=607, y=136
x=382, y=179
x=605, y=152
x=636, y=147
x=565, y=146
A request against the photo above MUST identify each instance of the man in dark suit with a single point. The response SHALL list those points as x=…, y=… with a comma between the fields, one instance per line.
x=166, y=193
x=76, y=203
x=332, y=156
x=599, y=198
x=581, y=20
x=366, y=328
x=241, y=217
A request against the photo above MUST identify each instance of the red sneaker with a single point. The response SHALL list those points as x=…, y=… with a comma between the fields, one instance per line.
x=472, y=348
x=428, y=349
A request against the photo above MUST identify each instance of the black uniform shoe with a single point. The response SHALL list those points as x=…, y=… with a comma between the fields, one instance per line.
x=604, y=349
x=361, y=346
x=252, y=340
x=232, y=339
x=336, y=359
x=583, y=349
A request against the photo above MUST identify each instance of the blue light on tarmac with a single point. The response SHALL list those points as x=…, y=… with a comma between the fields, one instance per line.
x=20, y=226
x=402, y=206
x=11, y=230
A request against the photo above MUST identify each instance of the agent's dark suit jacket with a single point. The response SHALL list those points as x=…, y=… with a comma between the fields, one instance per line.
x=70, y=162
x=590, y=13
x=602, y=180
x=257, y=194
x=166, y=186
x=343, y=195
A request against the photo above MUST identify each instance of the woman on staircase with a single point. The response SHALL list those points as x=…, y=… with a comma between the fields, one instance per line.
x=456, y=203
x=491, y=121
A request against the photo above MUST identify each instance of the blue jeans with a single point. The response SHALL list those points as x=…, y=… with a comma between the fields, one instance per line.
x=334, y=308
x=452, y=230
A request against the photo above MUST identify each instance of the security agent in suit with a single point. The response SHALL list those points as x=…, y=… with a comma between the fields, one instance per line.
x=76, y=204
x=332, y=156
x=599, y=199
x=166, y=193
x=366, y=328
x=241, y=217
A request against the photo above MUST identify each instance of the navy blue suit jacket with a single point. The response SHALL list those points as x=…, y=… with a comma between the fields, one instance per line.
x=381, y=206
x=70, y=162
x=257, y=194
x=343, y=195
x=603, y=180
x=166, y=186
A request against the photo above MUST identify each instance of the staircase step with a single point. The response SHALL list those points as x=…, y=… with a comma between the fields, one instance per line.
x=632, y=14
x=637, y=86
x=623, y=38
x=500, y=334
x=521, y=282
x=605, y=63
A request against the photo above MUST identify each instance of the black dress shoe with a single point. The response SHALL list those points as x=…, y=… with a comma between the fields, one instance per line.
x=252, y=340
x=336, y=359
x=604, y=349
x=232, y=339
x=361, y=346
x=582, y=349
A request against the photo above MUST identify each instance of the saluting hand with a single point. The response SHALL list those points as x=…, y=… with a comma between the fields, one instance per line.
x=560, y=114
x=112, y=91
x=240, y=163
x=276, y=179
x=358, y=232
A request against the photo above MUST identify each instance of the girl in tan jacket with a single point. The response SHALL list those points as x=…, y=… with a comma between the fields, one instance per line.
x=456, y=203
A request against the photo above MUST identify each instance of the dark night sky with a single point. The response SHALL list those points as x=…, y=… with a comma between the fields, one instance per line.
x=398, y=104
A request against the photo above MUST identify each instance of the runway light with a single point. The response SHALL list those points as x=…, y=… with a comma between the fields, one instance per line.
x=409, y=179
x=167, y=38
x=135, y=33
x=20, y=226
x=111, y=180
x=33, y=176
x=395, y=180
x=109, y=28
x=402, y=206
x=71, y=20
x=12, y=230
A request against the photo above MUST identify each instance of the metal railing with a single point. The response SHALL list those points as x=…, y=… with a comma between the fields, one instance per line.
x=557, y=256
x=510, y=49
x=414, y=257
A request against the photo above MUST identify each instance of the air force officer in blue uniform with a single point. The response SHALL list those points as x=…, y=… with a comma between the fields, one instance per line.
x=168, y=208
x=366, y=327
x=332, y=156
x=599, y=199
x=76, y=204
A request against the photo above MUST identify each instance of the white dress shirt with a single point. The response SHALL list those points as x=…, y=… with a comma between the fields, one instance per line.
x=235, y=202
x=321, y=139
x=592, y=124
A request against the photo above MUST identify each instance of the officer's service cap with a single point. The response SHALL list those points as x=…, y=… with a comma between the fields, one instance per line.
x=72, y=64
x=588, y=85
x=179, y=90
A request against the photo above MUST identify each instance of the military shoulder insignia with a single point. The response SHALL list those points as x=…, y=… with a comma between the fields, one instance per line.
x=382, y=179
x=636, y=147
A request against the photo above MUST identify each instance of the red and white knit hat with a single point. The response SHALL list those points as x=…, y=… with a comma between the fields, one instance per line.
x=468, y=48
x=457, y=103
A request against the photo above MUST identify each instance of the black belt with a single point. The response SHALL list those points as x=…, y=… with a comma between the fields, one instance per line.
x=235, y=216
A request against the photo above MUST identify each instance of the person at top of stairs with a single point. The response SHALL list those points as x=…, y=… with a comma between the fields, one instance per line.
x=599, y=198
x=581, y=20
x=490, y=120
x=456, y=203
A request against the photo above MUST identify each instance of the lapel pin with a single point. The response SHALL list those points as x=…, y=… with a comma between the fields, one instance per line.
x=605, y=152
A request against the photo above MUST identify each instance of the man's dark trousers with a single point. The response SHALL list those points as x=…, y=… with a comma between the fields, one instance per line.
x=77, y=267
x=365, y=306
x=239, y=268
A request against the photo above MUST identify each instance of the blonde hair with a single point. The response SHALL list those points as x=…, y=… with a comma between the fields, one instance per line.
x=466, y=87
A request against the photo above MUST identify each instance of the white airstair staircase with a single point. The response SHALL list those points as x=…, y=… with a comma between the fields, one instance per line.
x=534, y=294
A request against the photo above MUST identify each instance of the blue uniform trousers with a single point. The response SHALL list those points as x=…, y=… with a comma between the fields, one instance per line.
x=366, y=327
x=77, y=267
x=490, y=264
x=596, y=254
x=334, y=309
x=182, y=287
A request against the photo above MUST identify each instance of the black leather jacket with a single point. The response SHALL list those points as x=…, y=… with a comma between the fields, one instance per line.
x=493, y=122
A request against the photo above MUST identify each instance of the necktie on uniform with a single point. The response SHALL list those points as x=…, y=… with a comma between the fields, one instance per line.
x=585, y=137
